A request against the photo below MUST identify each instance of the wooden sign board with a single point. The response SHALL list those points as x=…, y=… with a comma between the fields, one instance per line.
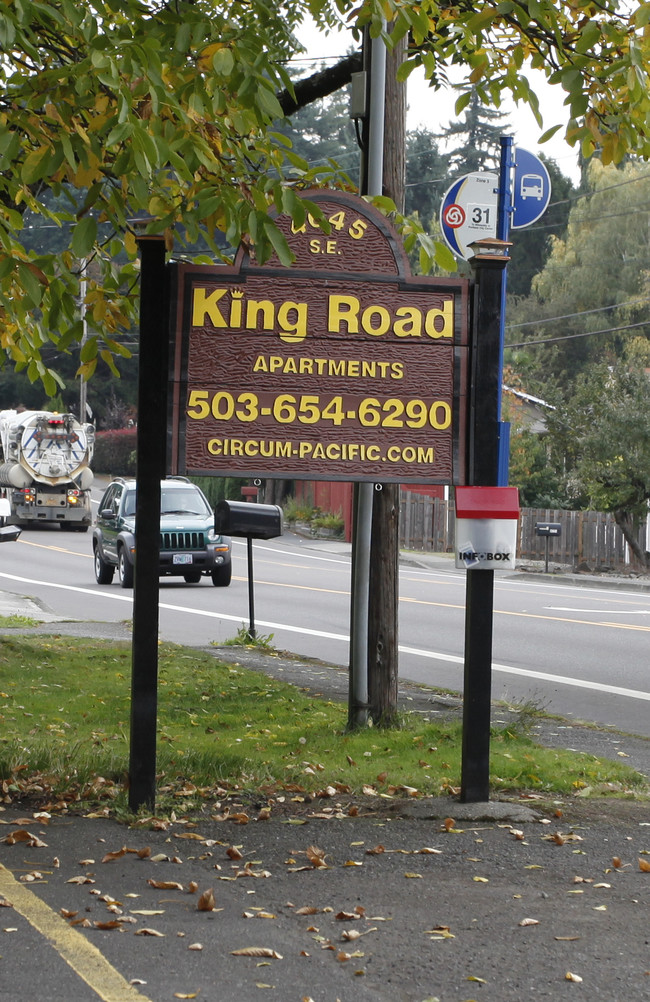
x=342, y=367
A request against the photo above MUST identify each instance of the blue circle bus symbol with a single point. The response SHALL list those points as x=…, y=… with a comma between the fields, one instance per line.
x=531, y=189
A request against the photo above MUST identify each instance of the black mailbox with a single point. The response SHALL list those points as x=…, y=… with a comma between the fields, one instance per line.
x=246, y=518
x=548, y=528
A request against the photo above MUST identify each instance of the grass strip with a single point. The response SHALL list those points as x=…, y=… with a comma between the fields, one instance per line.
x=65, y=708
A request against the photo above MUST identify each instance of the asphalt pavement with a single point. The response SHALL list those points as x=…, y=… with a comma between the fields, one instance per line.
x=334, y=897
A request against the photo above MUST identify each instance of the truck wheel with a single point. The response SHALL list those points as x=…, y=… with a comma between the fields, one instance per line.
x=221, y=576
x=103, y=571
x=124, y=570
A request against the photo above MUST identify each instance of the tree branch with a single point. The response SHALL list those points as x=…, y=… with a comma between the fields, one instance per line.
x=320, y=84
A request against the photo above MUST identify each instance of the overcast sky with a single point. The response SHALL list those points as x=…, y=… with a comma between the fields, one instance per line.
x=435, y=109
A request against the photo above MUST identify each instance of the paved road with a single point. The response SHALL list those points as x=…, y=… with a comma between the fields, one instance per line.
x=575, y=650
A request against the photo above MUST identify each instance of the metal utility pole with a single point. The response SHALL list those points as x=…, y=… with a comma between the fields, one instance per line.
x=372, y=175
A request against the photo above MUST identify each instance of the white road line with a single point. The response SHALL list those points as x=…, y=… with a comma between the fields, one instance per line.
x=542, y=676
x=613, y=690
x=600, y=612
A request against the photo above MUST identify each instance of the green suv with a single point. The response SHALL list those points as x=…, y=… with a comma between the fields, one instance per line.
x=189, y=545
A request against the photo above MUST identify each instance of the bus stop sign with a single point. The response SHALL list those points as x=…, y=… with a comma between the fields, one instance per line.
x=531, y=191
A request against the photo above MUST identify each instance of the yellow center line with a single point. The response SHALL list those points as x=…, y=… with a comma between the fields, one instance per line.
x=72, y=946
x=50, y=546
x=532, y=615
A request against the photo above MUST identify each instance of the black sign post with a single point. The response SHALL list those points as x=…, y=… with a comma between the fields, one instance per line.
x=488, y=266
x=151, y=448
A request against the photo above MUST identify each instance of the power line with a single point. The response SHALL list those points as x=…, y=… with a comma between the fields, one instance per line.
x=581, y=313
x=568, y=337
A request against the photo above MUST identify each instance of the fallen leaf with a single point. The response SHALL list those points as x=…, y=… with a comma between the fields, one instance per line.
x=440, y=932
x=572, y=977
x=316, y=856
x=165, y=885
x=449, y=823
x=413, y=876
x=472, y=977
x=82, y=879
x=566, y=939
x=185, y=995
x=148, y=932
x=233, y=852
x=616, y=862
x=529, y=921
x=22, y=835
x=376, y=851
x=256, y=951
x=644, y=865
x=206, y=901
x=110, y=856
x=481, y=880
x=195, y=946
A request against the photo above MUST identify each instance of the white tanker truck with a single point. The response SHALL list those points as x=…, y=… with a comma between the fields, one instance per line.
x=45, y=472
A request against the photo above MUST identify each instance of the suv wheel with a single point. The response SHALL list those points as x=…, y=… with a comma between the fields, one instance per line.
x=221, y=576
x=192, y=577
x=103, y=571
x=124, y=569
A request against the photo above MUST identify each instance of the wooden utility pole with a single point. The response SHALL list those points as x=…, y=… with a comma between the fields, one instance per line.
x=384, y=545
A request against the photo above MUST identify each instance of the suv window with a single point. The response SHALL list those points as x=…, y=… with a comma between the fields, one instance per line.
x=111, y=499
x=128, y=508
x=184, y=500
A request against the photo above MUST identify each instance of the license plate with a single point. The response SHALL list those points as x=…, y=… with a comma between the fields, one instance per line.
x=182, y=558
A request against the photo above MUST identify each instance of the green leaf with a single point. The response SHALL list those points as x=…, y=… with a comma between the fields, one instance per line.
x=84, y=236
x=277, y=239
x=549, y=134
x=223, y=62
x=444, y=258
x=88, y=350
x=462, y=102
x=36, y=165
x=33, y=288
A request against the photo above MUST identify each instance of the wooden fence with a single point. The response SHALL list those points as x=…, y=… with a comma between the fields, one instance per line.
x=588, y=540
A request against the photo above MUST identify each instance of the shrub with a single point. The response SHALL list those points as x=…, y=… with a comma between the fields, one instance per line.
x=297, y=511
x=329, y=520
x=115, y=452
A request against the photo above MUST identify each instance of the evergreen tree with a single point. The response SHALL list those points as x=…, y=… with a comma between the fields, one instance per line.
x=477, y=137
x=426, y=176
x=591, y=296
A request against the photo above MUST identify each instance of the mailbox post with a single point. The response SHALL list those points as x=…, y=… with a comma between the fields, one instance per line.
x=547, y=529
x=486, y=538
x=251, y=521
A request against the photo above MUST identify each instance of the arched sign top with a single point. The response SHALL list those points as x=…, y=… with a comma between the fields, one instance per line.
x=361, y=240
